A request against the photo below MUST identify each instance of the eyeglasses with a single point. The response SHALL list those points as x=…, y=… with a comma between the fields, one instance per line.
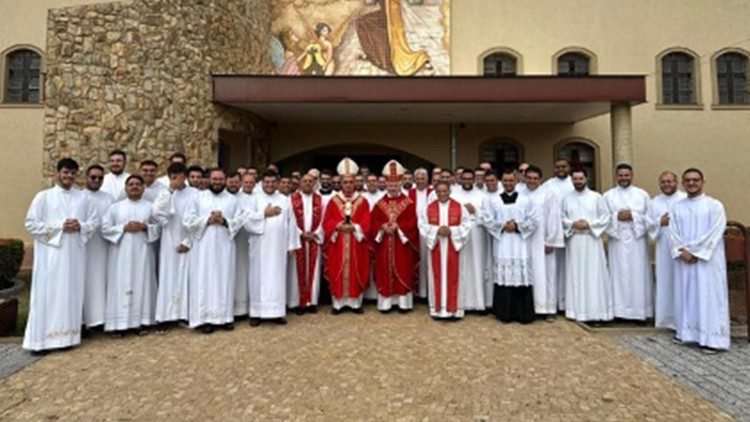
x=96, y=177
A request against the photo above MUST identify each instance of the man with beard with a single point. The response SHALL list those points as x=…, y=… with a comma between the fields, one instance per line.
x=697, y=227
x=151, y=186
x=629, y=263
x=475, y=250
x=659, y=232
x=114, y=181
x=285, y=185
x=177, y=157
x=94, y=297
x=246, y=203
x=347, y=224
x=585, y=218
x=395, y=237
x=548, y=237
x=326, y=186
x=174, y=252
x=60, y=220
x=408, y=181
x=195, y=176
x=511, y=219
x=131, y=269
x=419, y=195
x=234, y=182
x=561, y=184
x=303, y=274
x=479, y=179
x=372, y=194
x=213, y=219
x=359, y=183
x=206, y=180
x=273, y=234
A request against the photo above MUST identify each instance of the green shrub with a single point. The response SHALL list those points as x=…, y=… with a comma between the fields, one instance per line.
x=11, y=257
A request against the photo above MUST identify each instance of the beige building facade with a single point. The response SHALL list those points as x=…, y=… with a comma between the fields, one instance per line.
x=690, y=54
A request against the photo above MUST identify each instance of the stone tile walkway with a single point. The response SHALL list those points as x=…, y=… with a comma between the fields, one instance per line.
x=723, y=379
x=371, y=366
x=13, y=358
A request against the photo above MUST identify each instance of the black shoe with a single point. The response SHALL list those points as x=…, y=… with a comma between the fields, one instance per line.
x=254, y=322
x=280, y=321
x=299, y=311
x=85, y=333
x=335, y=311
x=383, y=311
x=228, y=327
x=312, y=309
x=358, y=310
x=39, y=353
x=404, y=311
x=207, y=329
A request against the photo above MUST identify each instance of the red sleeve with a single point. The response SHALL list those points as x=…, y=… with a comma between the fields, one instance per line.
x=362, y=217
x=407, y=222
x=331, y=218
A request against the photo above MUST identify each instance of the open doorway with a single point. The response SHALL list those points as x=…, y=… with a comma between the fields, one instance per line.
x=373, y=155
x=234, y=149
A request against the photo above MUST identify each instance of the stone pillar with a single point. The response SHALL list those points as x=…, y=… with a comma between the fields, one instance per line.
x=622, y=134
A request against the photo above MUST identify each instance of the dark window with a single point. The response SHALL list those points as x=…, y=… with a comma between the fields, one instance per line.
x=731, y=72
x=573, y=64
x=23, y=77
x=502, y=155
x=499, y=64
x=678, y=79
x=581, y=155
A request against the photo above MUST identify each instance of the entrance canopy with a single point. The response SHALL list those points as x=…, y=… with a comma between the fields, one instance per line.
x=469, y=99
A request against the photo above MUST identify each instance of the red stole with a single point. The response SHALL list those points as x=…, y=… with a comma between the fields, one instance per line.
x=454, y=219
x=413, y=194
x=305, y=257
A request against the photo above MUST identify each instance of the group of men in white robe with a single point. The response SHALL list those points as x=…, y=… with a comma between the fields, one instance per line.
x=160, y=251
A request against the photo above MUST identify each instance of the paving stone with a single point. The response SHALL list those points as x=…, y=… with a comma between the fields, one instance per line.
x=13, y=358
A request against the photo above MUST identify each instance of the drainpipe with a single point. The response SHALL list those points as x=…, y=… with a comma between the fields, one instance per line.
x=454, y=141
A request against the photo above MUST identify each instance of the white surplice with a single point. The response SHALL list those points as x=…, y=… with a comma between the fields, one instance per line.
x=131, y=266
x=548, y=235
x=459, y=236
x=629, y=263
x=271, y=240
x=246, y=203
x=561, y=187
x=212, y=271
x=95, y=290
x=421, y=207
x=587, y=281
x=702, y=308
x=169, y=210
x=292, y=276
x=57, y=278
x=151, y=192
x=115, y=185
x=512, y=263
x=473, y=254
x=372, y=289
x=664, y=305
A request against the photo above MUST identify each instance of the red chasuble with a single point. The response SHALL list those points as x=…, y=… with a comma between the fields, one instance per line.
x=454, y=219
x=306, y=258
x=396, y=263
x=347, y=262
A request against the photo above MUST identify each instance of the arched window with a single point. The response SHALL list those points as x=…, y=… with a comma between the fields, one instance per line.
x=678, y=78
x=23, y=68
x=731, y=78
x=580, y=155
x=500, y=64
x=573, y=64
x=501, y=153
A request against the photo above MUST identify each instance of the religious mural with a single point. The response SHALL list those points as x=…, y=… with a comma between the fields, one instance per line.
x=360, y=37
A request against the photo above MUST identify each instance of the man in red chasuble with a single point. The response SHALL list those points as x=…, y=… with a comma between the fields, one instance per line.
x=347, y=227
x=396, y=244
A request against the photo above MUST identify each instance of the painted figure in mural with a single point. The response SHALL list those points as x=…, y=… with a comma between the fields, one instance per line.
x=318, y=57
x=382, y=35
x=292, y=52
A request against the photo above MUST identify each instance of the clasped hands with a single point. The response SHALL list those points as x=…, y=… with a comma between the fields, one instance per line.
x=687, y=257
x=271, y=211
x=134, y=227
x=444, y=231
x=71, y=225
x=389, y=228
x=510, y=226
x=217, y=218
x=625, y=215
x=345, y=228
x=581, y=225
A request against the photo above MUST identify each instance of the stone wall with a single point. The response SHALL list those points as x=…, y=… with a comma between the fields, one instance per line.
x=137, y=76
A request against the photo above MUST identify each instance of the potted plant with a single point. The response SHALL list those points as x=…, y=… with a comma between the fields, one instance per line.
x=11, y=257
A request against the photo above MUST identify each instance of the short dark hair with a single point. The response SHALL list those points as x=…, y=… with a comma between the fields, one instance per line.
x=207, y=173
x=470, y=173
x=118, y=152
x=326, y=172
x=194, y=168
x=134, y=176
x=210, y=170
x=94, y=167
x=442, y=182
x=178, y=155
x=149, y=163
x=624, y=166
x=580, y=170
x=447, y=170
x=320, y=27
x=270, y=173
x=509, y=170
x=67, y=163
x=177, y=168
x=562, y=159
x=233, y=173
x=491, y=172
x=692, y=170
x=534, y=169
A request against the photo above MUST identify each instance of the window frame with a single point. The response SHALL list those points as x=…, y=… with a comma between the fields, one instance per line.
x=496, y=140
x=716, y=104
x=697, y=103
x=4, y=67
x=500, y=50
x=585, y=141
x=593, y=60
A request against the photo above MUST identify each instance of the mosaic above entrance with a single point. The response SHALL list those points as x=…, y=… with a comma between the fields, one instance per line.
x=360, y=37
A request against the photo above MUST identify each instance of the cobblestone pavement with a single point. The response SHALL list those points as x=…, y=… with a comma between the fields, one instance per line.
x=723, y=379
x=12, y=359
x=371, y=366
